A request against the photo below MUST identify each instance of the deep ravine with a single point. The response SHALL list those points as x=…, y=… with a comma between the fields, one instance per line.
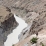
x=13, y=37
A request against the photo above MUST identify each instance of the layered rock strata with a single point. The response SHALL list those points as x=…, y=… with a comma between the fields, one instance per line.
x=33, y=12
x=22, y=8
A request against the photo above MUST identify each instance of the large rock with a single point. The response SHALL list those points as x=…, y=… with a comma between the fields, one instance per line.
x=7, y=23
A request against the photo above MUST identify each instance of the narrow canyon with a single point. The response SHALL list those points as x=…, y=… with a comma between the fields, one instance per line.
x=31, y=29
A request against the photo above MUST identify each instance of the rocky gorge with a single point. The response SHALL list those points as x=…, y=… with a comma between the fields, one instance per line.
x=34, y=13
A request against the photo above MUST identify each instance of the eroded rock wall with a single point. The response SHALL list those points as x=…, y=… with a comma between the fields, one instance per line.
x=38, y=24
x=22, y=8
x=33, y=12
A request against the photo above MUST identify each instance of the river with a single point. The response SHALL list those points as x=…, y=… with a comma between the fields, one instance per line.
x=13, y=37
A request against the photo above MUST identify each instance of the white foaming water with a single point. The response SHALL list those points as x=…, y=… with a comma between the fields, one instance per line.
x=13, y=37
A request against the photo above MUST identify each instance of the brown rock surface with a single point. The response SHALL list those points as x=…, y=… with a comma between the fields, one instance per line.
x=32, y=11
x=23, y=7
x=41, y=39
x=37, y=21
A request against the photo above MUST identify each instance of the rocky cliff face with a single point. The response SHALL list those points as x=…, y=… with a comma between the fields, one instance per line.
x=34, y=13
x=7, y=23
x=38, y=24
x=22, y=8
x=36, y=29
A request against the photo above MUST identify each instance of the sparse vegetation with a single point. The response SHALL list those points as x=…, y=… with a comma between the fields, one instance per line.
x=34, y=40
x=41, y=43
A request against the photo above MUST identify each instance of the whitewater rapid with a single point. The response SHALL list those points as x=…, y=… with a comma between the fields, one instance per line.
x=13, y=37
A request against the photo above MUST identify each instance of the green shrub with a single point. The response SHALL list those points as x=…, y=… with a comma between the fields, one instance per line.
x=41, y=43
x=34, y=40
